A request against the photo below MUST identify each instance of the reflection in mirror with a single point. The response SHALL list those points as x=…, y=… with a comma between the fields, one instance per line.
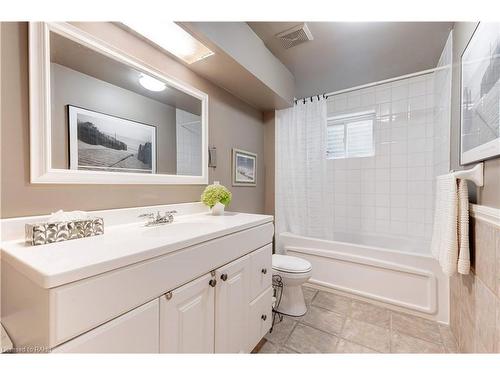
x=108, y=116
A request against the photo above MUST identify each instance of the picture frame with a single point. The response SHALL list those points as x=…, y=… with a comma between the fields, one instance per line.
x=106, y=143
x=244, y=168
x=480, y=95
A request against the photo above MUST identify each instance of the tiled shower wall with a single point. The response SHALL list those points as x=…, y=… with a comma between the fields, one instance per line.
x=390, y=193
x=475, y=298
x=442, y=110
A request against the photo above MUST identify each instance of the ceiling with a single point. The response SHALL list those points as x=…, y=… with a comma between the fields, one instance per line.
x=348, y=54
x=227, y=70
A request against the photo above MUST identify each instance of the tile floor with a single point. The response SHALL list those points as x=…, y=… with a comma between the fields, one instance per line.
x=337, y=324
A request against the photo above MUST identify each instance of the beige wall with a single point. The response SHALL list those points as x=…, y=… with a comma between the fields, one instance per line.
x=233, y=123
x=489, y=195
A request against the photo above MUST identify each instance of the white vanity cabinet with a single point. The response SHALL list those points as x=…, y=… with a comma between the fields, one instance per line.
x=134, y=332
x=187, y=317
x=139, y=289
x=231, y=306
x=217, y=312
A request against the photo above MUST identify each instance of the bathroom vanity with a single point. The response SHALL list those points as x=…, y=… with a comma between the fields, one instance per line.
x=200, y=284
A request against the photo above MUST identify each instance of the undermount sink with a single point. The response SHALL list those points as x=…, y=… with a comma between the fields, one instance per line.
x=180, y=228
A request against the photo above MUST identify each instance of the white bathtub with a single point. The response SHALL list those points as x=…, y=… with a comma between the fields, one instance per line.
x=397, y=273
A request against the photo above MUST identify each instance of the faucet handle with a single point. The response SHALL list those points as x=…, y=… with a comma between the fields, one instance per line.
x=149, y=215
x=169, y=216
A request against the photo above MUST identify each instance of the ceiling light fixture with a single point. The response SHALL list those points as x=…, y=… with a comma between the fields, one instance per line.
x=173, y=39
x=151, y=84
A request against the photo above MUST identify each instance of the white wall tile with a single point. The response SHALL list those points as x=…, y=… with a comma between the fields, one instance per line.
x=416, y=131
x=416, y=215
x=399, y=162
x=383, y=213
x=382, y=200
x=353, y=100
x=382, y=95
x=353, y=200
x=416, y=174
x=368, y=98
x=368, y=200
x=384, y=109
x=399, y=200
x=399, y=227
x=392, y=192
x=399, y=106
x=382, y=226
x=368, y=225
x=417, y=88
x=353, y=187
x=382, y=161
x=399, y=92
x=416, y=159
x=417, y=103
x=399, y=134
x=399, y=213
x=382, y=187
x=399, y=174
x=382, y=174
x=399, y=187
x=368, y=212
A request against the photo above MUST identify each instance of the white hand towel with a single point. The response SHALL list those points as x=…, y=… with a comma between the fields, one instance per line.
x=451, y=216
x=463, y=228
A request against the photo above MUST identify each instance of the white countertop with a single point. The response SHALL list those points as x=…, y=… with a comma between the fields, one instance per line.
x=60, y=263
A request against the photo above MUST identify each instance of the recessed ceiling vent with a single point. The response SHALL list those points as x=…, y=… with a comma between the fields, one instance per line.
x=295, y=36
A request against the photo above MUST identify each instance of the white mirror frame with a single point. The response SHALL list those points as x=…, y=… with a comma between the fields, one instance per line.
x=41, y=171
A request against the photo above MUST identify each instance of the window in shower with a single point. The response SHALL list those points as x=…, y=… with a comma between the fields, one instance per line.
x=350, y=136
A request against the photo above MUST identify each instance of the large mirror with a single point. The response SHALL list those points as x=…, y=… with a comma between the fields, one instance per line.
x=99, y=116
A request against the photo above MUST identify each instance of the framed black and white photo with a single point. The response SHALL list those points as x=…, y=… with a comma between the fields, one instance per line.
x=244, y=168
x=101, y=142
x=480, y=94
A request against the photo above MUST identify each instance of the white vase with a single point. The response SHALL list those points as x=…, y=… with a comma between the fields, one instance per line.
x=218, y=209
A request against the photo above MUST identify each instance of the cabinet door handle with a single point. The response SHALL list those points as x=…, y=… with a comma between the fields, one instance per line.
x=223, y=277
x=263, y=317
x=212, y=283
x=264, y=271
x=168, y=295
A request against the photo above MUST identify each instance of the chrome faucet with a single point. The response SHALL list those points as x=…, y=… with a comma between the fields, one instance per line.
x=159, y=219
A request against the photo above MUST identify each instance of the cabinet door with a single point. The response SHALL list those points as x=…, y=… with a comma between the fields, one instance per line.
x=231, y=306
x=187, y=318
x=133, y=332
x=260, y=317
x=261, y=270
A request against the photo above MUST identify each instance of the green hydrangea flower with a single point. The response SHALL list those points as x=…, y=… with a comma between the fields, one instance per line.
x=216, y=193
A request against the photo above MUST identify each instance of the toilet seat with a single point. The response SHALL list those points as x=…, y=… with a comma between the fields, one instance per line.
x=290, y=264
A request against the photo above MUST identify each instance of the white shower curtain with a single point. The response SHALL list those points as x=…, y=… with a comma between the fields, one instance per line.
x=304, y=201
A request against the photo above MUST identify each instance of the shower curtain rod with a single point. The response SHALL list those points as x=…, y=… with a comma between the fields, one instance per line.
x=343, y=91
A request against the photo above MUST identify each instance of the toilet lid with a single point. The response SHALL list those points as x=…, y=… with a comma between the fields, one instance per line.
x=288, y=263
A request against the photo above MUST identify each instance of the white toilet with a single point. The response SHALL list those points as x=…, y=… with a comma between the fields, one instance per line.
x=294, y=272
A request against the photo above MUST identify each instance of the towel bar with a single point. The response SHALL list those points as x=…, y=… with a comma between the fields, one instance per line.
x=474, y=174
